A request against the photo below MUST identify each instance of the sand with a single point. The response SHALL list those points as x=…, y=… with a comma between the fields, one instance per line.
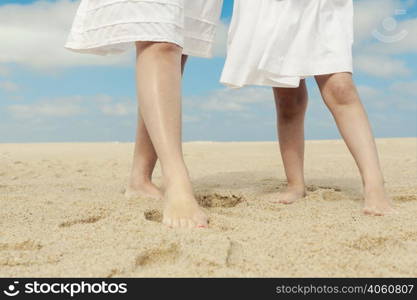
x=62, y=213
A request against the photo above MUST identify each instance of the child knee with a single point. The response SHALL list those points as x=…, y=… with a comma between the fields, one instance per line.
x=291, y=104
x=342, y=93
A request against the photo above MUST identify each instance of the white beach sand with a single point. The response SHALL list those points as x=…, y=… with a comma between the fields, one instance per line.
x=62, y=213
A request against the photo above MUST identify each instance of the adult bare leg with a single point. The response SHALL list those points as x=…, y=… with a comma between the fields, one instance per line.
x=144, y=160
x=159, y=94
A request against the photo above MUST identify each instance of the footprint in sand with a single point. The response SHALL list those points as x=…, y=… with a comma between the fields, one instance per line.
x=405, y=198
x=159, y=255
x=367, y=242
x=314, y=188
x=325, y=193
x=89, y=220
x=233, y=253
x=28, y=245
x=204, y=200
x=153, y=215
x=25, y=254
x=219, y=200
x=332, y=195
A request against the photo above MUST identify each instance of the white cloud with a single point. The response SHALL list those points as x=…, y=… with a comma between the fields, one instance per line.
x=381, y=66
x=399, y=96
x=190, y=119
x=4, y=71
x=368, y=91
x=119, y=109
x=408, y=88
x=50, y=108
x=407, y=105
x=378, y=27
x=369, y=15
x=73, y=106
x=380, y=35
x=9, y=86
x=235, y=100
x=36, y=34
x=102, y=99
x=216, y=104
x=405, y=39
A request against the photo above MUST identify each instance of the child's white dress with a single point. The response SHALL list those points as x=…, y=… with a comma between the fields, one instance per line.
x=279, y=42
x=112, y=26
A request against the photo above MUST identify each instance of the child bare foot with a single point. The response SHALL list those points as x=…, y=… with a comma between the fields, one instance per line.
x=377, y=203
x=182, y=210
x=143, y=190
x=291, y=194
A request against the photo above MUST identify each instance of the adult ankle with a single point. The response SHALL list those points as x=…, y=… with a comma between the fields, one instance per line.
x=140, y=180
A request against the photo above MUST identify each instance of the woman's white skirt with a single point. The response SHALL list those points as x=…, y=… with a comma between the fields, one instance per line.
x=279, y=42
x=112, y=26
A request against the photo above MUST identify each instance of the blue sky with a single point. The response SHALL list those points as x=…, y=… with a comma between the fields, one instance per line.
x=48, y=94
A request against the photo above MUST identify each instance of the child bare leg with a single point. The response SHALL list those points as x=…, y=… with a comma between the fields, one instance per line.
x=159, y=94
x=291, y=105
x=144, y=159
x=341, y=97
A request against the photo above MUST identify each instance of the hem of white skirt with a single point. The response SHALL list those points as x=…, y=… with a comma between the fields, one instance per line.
x=234, y=85
x=124, y=22
x=110, y=47
x=293, y=68
x=98, y=48
x=202, y=54
x=264, y=80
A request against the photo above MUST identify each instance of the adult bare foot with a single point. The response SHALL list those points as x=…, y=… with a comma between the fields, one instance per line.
x=291, y=194
x=377, y=203
x=143, y=190
x=182, y=210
